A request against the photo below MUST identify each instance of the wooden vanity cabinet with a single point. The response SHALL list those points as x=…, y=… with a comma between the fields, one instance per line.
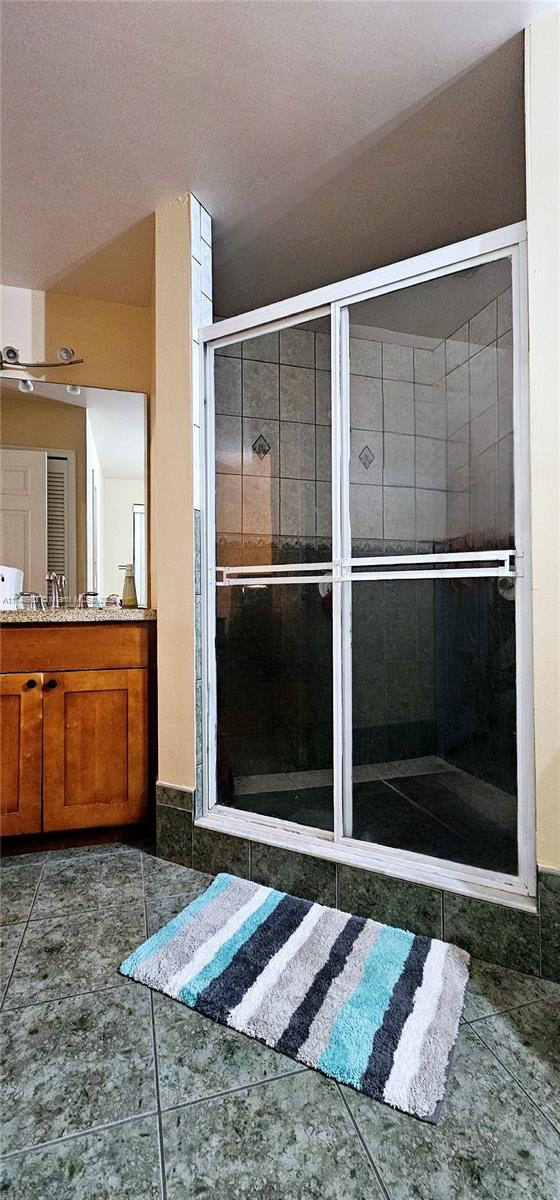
x=21, y=738
x=75, y=727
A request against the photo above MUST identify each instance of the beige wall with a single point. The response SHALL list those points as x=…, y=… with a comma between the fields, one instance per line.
x=543, y=216
x=114, y=339
x=172, y=496
x=36, y=422
x=118, y=497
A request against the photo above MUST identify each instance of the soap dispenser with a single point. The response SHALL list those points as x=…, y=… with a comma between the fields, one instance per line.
x=129, y=597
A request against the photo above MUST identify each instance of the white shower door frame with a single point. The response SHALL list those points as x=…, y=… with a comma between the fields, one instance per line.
x=342, y=571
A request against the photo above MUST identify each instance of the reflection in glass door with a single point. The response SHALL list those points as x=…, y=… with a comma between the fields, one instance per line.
x=368, y=623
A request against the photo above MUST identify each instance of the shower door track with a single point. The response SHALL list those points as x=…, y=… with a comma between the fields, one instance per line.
x=342, y=571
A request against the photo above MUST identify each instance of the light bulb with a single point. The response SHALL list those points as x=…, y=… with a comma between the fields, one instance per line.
x=25, y=385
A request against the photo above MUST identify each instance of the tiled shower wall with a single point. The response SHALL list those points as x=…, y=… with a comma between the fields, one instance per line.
x=273, y=448
x=273, y=454
x=479, y=375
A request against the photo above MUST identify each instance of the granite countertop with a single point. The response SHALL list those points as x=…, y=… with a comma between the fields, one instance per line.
x=71, y=616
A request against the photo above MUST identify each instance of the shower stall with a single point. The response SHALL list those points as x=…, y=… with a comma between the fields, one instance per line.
x=367, y=689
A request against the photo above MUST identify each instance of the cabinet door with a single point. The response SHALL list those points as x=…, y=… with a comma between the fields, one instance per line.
x=21, y=708
x=94, y=748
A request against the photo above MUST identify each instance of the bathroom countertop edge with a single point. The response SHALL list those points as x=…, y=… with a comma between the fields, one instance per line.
x=75, y=616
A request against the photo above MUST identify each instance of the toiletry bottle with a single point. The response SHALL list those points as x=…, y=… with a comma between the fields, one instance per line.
x=129, y=598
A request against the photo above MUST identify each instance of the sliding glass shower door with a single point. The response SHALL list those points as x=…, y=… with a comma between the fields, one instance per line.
x=273, y=519
x=433, y=665
x=368, y=670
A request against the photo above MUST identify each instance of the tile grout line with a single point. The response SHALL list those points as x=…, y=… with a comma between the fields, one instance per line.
x=70, y=1137
x=365, y=1148
x=241, y=1087
x=112, y=987
x=120, y=904
x=518, y=1083
x=163, y=1183
x=11, y=975
x=502, y=1012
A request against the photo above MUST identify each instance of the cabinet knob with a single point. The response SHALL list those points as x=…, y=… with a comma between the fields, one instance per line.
x=52, y=683
x=31, y=683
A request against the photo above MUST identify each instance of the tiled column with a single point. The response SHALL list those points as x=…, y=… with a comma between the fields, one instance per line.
x=175, y=804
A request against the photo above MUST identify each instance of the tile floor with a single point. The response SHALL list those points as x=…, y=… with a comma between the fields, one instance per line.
x=110, y=1092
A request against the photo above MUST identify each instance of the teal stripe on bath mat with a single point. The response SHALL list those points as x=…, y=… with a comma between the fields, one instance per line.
x=160, y=939
x=347, y=1054
x=227, y=952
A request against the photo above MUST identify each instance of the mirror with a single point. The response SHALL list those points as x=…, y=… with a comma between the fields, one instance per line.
x=72, y=489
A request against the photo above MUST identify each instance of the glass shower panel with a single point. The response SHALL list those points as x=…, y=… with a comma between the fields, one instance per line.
x=273, y=447
x=274, y=701
x=434, y=718
x=431, y=442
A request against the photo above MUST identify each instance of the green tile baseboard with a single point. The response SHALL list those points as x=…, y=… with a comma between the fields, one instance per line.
x=174, y=797
x=508, y=937
x=549, y=913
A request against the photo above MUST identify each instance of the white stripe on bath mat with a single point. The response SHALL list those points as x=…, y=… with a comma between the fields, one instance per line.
x=210, y=948
x=408, y=1053
x=239, y=1015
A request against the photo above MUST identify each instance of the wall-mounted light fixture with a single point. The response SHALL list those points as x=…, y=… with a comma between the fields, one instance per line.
x=9, y=357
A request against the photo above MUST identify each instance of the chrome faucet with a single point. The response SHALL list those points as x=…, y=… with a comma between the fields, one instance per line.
x=58, y=589
x=52, y=578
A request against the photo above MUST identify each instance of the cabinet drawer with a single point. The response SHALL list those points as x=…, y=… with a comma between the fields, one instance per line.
x=73, y=647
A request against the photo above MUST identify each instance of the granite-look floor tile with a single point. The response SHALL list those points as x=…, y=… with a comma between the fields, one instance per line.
x=78, y=952
x=549, y=902
x=198, y=1057
x=391, y=901
x=527, y=1042
x=214, y=852
x=88, y=882
x=18, y=885
x=491, y=1142
x=121, y=1162
x=291, y=1138
x=72, y=1064
x=162, y=878
x=10, y=938
x=96, y=849
x=162, y=909
x=494, y=989
x=174, y=834
x=21, y=860
x=506, y=936
x=298, y=874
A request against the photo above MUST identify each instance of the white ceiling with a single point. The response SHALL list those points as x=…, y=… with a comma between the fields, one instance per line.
x=110, y=110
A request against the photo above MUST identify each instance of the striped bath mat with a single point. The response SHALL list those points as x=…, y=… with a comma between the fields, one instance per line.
x=374, y=1007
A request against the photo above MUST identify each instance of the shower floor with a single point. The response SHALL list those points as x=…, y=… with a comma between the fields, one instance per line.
x=424, y=805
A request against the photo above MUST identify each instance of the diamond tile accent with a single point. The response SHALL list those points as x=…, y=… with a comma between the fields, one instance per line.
x=261, y=446
x=366, y=457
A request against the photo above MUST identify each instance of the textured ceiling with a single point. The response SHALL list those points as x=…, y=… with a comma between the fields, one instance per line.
x=110, y=110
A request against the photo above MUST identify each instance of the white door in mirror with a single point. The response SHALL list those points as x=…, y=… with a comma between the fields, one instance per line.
x=23, y=515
